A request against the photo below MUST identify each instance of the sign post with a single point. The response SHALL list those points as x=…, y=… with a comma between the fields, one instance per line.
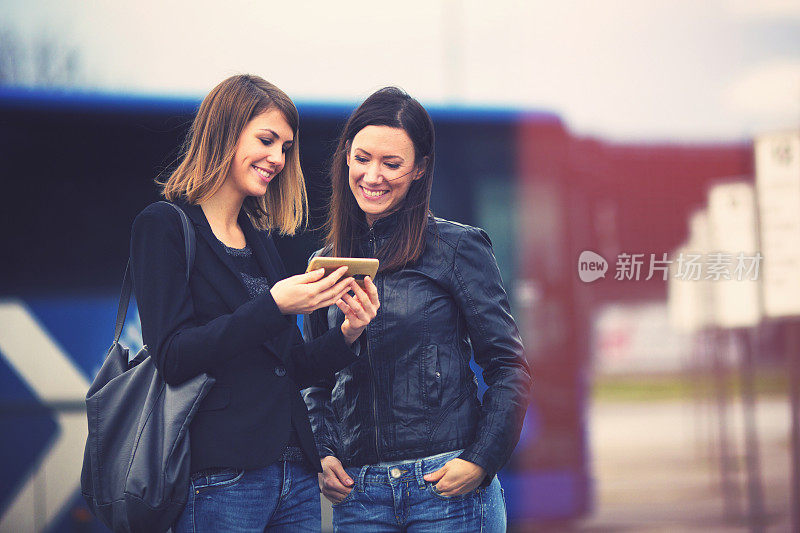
x=734, y=268
x=777, y=160
x=692, y=306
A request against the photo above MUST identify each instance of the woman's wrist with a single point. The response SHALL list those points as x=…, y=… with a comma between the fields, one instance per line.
x=277, y=297
x=350, y=336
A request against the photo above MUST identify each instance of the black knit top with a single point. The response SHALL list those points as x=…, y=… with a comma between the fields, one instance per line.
x=257, y=283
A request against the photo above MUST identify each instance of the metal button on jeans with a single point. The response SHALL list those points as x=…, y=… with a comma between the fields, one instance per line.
x=395, y=472
x=280, y=371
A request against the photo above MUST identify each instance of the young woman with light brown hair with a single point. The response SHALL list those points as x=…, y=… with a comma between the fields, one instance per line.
x=253, y=458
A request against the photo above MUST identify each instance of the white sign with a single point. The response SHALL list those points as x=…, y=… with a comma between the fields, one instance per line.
x=733, y=233
x=688, y=292
x=777, y=159
x=688, y=302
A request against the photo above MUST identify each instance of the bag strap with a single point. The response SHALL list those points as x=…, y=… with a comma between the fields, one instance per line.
x=127, y=284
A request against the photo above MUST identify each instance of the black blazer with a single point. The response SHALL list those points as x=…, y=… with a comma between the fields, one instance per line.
x=256, y=354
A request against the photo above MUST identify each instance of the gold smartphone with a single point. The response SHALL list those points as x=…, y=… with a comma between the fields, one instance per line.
x=357, y=267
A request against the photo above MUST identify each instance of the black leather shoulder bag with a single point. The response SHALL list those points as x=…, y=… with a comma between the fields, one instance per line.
x=135, y=474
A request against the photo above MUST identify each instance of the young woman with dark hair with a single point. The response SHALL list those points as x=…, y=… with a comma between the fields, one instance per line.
x=253, y=459
x=406, y=444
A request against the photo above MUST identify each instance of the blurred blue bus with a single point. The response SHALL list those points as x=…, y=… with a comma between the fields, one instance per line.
x=77, y=167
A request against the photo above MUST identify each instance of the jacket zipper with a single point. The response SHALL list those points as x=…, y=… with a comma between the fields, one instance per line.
x=371, y=367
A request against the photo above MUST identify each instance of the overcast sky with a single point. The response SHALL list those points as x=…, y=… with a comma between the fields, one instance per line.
x=666, y=70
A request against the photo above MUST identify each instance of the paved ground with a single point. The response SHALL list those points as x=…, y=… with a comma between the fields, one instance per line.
x=657, y=467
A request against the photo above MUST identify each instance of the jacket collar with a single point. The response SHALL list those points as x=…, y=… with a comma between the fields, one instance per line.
x=383, y=227
x=232, y=287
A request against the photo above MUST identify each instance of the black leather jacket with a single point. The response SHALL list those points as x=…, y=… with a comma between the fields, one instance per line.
x=411, y=393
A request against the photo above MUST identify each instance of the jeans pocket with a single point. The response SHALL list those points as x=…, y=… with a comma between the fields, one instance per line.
x=435, y=492
x=224, y=477
x=349, y=497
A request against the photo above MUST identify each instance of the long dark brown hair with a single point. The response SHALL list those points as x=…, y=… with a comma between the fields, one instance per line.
x=346, y=223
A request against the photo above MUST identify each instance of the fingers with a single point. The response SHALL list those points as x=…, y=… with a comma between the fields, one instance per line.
x=334, y=496
x=372, y=290
x=360, y=294
x=344, y=307
x=336, y=483
x=447, y=487
x=330, y=296
x=310, y=277
x=356, y=310
x=343, y=287
x=337, y=493
x=437, y=477
x=330, y=280
x=364, y=305
x=434, y=477
x=341, y=475
x=456, y=477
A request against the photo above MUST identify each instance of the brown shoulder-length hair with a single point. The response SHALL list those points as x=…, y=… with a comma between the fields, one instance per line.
x=346, y=223
x=210, y=147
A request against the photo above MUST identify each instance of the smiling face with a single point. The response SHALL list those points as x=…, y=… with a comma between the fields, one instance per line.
x=260, y=153
x=381, y=169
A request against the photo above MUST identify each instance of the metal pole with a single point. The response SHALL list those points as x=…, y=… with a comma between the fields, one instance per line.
x=730, y=491
x=709, y=384
x=695, y=372
x=793, y=349
x=755, y=495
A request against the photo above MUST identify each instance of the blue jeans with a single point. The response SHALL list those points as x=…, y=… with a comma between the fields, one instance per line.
x=395, y=497
x=283, y=496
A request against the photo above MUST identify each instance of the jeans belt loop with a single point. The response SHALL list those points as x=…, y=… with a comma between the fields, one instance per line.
x=360, y=481
x=418, y=473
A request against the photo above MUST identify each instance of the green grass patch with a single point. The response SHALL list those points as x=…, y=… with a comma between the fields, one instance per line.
x=634, y=388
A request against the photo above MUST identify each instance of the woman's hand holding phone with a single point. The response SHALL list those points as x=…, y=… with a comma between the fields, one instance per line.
x=359, y=309
x=304, y=293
